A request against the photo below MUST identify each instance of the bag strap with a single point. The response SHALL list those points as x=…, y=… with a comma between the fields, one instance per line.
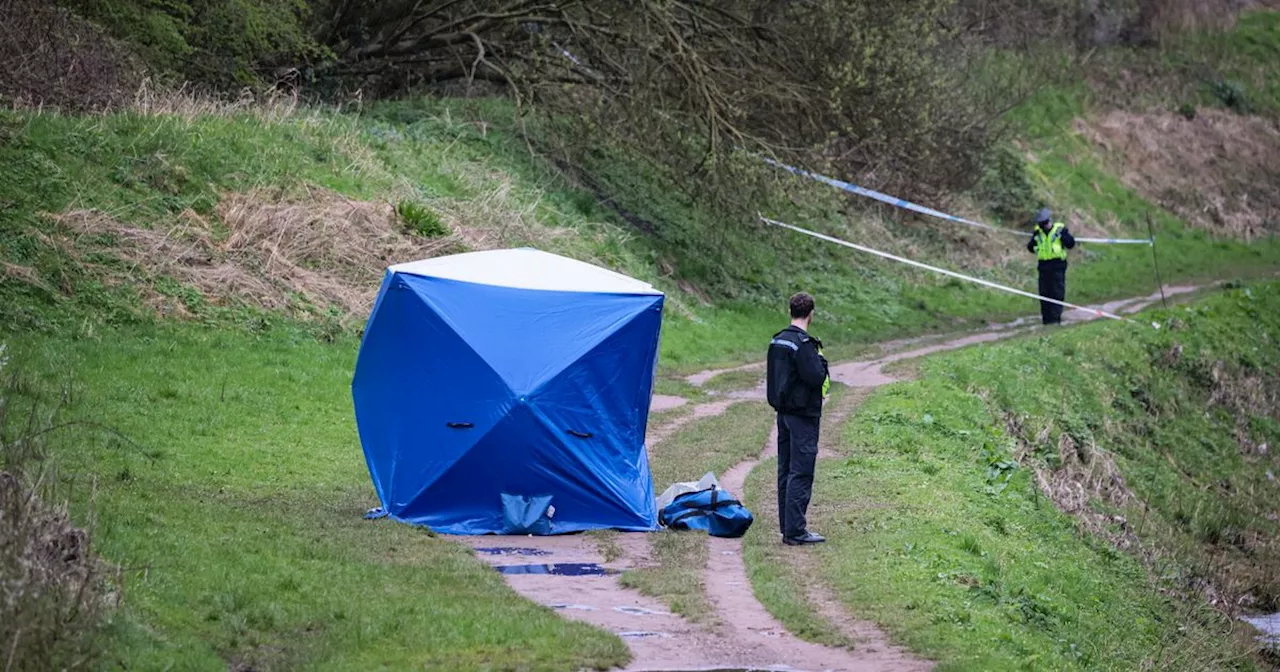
x=716, y=502
x=685, y=515
x=690, y=513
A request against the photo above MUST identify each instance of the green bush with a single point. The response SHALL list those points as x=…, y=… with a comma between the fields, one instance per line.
x=1004, y=188
x=217, y=42
x=421, y=220
x=1232, y=95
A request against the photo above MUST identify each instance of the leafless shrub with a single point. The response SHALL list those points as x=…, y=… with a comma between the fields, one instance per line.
x=53, y=591
x=49, y=56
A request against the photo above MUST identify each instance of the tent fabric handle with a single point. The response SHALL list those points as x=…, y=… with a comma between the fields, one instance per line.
x=580, y=435
x=460, y=425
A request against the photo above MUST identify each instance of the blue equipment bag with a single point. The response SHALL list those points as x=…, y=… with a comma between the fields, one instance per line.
x=714, y=510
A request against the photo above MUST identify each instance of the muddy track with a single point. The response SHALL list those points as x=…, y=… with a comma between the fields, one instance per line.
x=729, y=589
x=744, y=635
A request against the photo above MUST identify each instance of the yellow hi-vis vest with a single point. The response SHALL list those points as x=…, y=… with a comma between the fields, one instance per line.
x=826, y=384
x=1049, y=245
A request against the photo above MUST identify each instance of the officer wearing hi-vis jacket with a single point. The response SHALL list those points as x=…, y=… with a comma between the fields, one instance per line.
x=1050, y=242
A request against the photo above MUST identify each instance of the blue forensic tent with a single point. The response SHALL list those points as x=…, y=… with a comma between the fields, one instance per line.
x=490, y=385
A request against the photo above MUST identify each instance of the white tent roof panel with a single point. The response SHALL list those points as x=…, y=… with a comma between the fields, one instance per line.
x=526, y=268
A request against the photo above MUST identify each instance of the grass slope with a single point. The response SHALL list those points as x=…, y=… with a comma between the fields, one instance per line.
x=235, y=512
x=939, y=531
x=156, y=166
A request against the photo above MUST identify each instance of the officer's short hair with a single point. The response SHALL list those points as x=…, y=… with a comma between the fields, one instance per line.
x=801, y=306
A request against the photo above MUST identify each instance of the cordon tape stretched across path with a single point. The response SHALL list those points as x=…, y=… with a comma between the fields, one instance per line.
x=908, y=205
x=943, y=271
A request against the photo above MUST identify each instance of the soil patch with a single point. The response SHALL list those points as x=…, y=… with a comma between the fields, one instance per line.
x=665, y=402
x=1220, y=171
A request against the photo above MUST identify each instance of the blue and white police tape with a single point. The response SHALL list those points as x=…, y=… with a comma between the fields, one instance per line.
x=862, y=248
x=908, y=205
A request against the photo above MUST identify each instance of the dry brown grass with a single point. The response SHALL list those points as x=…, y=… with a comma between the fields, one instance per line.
x=1246, y=394
x=1219, y=171
x=309, y=253
x=1161, y=18
x=23, y=273
x=271, y=105
x=264, y=249
x=1085, y=474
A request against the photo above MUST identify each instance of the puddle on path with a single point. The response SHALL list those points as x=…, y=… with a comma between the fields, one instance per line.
x=1269, y=626
x=510, y=550
x=576, y=607
x=559, y=569
x=640, y=611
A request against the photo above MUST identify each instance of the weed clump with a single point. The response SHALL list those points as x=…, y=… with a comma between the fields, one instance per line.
x=53, y=591
x=1232, y=95
x=54, y=595
x=421, y=220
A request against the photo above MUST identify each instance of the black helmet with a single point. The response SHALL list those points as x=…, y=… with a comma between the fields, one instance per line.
x=1044, y=216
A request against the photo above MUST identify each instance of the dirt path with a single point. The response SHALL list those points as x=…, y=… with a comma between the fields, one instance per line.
x=658, y=639
x=729, y=589
x=572, y=575
x=709, y=409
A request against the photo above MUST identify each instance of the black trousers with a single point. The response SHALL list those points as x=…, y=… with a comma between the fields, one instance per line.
x=1053, y=284
x=797, y=456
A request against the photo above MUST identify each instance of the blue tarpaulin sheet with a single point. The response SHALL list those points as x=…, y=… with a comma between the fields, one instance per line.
x=493, y=386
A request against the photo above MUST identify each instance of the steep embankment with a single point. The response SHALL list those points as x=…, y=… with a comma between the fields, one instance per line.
x=238, y=214
x=1101, y=497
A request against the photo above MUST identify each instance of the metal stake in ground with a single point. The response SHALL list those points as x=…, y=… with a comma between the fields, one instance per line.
x=1156, y=261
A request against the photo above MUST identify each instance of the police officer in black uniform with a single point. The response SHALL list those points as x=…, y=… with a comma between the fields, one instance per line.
x=797, y=383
